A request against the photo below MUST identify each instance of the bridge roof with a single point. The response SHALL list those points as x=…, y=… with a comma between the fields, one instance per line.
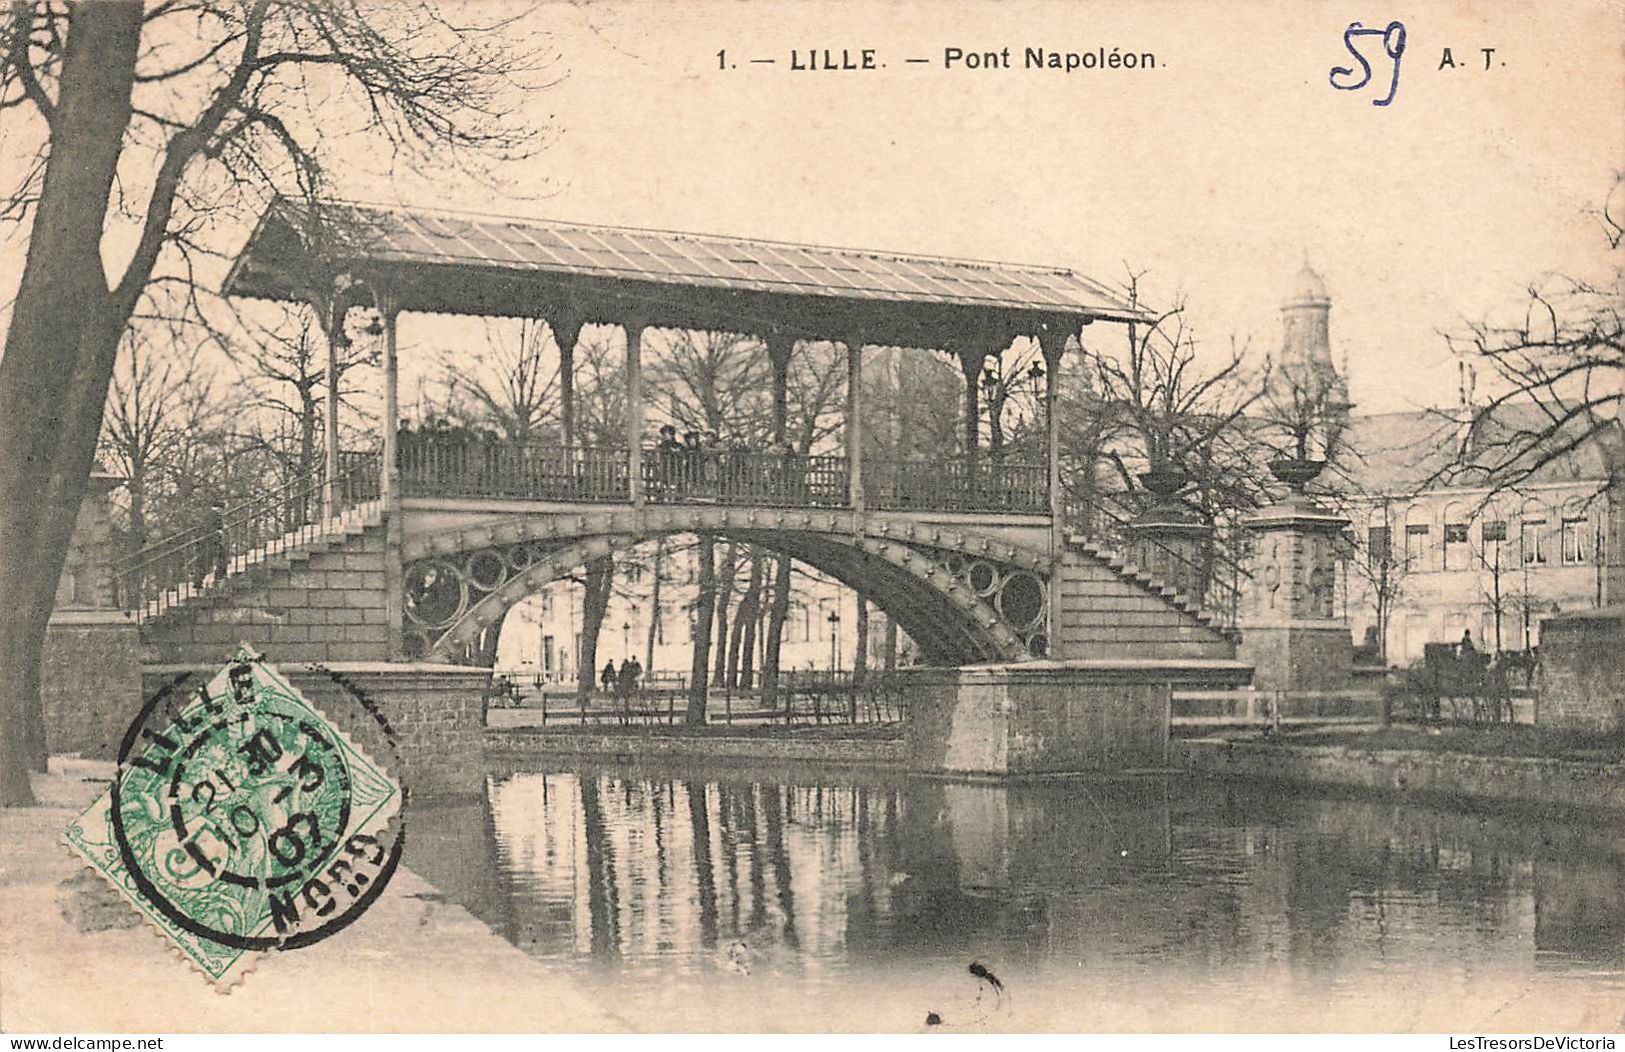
x=459, y=263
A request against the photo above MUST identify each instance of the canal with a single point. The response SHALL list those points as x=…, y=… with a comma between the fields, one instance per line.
x=775, y=898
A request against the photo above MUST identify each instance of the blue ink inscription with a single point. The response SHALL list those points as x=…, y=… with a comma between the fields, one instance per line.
x=1393, y=44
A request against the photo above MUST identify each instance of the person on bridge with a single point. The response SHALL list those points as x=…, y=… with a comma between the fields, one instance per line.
x=212, y=551
x=668, y=460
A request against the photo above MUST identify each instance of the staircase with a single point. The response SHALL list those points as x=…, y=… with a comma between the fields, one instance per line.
x=1109, y=608
x=312, y=585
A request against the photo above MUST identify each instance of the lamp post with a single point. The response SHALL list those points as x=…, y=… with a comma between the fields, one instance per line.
x=834, y=639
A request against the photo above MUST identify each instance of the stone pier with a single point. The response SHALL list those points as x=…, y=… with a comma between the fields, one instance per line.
x=1042, y=718
x=435, y=712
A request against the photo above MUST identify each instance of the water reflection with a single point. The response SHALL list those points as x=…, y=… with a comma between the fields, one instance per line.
x=830, y=879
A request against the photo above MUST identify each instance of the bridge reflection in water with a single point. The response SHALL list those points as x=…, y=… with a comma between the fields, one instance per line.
x=1144, y=905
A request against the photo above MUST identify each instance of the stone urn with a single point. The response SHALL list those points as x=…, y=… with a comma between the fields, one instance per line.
x=1296, y=472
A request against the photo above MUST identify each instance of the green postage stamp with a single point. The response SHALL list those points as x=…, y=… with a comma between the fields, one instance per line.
x=242, y=819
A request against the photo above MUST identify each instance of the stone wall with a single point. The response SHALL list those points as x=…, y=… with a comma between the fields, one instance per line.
x=1560, y=784
x=326, y=604
x=713, y=747
x=1049, y=717
x=1582, y=671
x=90, y=681
x=436, y=713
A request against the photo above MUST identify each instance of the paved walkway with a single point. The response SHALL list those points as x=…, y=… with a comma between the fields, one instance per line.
x=75, y=959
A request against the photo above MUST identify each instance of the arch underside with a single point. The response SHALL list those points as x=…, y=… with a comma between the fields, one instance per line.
x=950, y=596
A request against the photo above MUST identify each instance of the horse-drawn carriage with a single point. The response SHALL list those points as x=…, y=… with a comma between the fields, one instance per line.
x=1454, y=683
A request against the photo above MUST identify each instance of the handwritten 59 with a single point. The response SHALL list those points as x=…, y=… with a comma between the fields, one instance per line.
x=1393, y=45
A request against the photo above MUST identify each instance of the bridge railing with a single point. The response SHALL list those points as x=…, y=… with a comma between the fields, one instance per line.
x=464, y=465
x=165, y=573
x=1212, y=580
x=451, y=466
x=902, y=485
x=742, y=476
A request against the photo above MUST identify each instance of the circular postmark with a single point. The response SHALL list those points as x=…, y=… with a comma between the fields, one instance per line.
x=241, y=818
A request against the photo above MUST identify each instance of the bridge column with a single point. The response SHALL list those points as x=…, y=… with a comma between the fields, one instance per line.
x=779, y=347
x=1052, y=337
x=854, y=421
x=971, y=360
x=331, y=311
x=634, y=409
x=389, y=486
x=566, y=325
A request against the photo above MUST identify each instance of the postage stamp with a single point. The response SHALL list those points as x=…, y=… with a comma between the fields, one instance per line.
x=242, y=819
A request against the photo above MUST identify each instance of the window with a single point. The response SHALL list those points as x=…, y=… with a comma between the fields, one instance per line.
x=1576, y=541
x=1455, y=546
x=1532, y=540
x=1416, y=546
x=1379, y=545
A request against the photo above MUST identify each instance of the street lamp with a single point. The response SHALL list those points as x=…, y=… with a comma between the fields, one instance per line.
x=626, y=639
x=834, y=651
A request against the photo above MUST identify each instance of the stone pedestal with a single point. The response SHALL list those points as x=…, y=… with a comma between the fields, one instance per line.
x=1290, y=632
x=1049, y=717
x=90, y=681
x=1582, y=671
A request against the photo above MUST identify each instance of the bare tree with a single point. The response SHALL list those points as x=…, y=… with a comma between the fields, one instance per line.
x=513, y=384
x=600, y=418
x=1558, y=361
x=814, y=384
x=190, y=107
x=1165, y=412
x=285, y=365
x=159, y=403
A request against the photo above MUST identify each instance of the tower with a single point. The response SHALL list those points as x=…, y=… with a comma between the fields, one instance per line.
x=1291, y=632
x=1304, y=367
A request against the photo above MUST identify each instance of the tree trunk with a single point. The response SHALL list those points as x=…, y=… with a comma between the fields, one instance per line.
x=860, y=648
x=776, y=616
x=704, y=609
x=743, y=615
x=724, y=592
x=750, y=617
x=594, y=604
x=654, y=608
x=60, y=349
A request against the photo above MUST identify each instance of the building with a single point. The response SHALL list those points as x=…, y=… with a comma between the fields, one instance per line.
x=1433, y=560
x=1436, y=550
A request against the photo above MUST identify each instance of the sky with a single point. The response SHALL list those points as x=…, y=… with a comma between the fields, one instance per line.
x=1218, y=173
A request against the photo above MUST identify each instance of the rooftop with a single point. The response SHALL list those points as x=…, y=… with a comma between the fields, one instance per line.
x=459, y=263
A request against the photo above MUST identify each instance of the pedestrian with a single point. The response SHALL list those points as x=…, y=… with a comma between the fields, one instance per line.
x=637, y=673
x=212, y=550
x=607, y=677
x=624, y=683
x=668, y=458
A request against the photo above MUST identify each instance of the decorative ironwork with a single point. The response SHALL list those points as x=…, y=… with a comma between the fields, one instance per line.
x=453, y=594
x=1017, y=593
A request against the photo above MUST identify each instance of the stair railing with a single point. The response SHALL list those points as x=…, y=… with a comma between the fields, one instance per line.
x=168, y=572
x=1221, y=575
